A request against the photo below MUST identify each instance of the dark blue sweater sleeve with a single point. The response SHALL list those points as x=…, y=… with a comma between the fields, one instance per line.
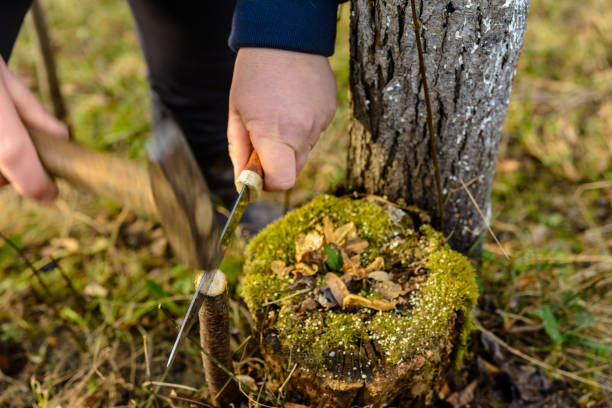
x=11, y=17
x=297, y=25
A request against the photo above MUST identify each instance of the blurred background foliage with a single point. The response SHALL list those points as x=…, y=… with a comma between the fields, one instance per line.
x=86, y=326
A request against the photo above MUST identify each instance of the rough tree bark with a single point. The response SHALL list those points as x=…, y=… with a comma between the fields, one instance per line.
x=471, y=48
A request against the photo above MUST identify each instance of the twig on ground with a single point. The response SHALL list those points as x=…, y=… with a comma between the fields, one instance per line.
x=47, y=70
x=299, y=292
x=287, y=379
x=484, y=219
x=170, y=385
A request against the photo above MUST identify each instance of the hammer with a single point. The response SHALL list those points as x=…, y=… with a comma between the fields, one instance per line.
x=172, y=190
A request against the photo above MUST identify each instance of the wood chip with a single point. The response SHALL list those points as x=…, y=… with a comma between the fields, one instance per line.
x=337, y=287
x=326, y=298
x=248, y=381
x=376, y=265
x=301, y=269
x=356, y=246
x=464, y=397
x=347, y=279
x=356, y=271
x=307, y=304
x=328, y=230
x=352, y=300
x=278, y=267
x=379, y=276
x=387, y=289
x=313, y=241
x=342, y=233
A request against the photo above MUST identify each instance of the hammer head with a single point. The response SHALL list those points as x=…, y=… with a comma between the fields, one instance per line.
x=181, y=195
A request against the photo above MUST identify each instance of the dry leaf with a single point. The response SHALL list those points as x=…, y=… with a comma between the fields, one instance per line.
x=383, y=305
x=387, y=289
x=345, y=258
x=93, y=289
x=313, y=241
x=352, y=300
x=307, y=304
x=356, y=246
x=294, y=405
x=248, y=381
x=158, y=246
x=328, y=230
x=314, y=257
x=60, y=247
x=341, y=234
x=278, y=267
x=337, y=287
x=301, y=269
x=326, y=298
x=379, y=276
x=463, y=397
x=347, y=279
x=376, y=265
x=356, y=271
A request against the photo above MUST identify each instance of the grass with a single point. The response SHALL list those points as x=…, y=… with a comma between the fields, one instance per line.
x=552, y=211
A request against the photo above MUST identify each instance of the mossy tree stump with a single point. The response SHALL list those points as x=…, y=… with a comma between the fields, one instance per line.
x=371, y=310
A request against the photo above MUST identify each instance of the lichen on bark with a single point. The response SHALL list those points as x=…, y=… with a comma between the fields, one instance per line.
x=471, y=50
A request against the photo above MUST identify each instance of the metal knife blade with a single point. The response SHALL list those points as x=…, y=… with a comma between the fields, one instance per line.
x=250, y=178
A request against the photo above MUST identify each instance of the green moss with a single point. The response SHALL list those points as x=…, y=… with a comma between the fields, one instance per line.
x=320, y=333
x=450, y=286
x=277, y=241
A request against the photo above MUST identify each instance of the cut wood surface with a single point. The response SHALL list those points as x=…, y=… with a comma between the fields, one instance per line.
x=368, y=306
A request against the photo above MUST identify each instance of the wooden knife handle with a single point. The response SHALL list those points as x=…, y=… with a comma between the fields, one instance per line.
x=252, y=177
x=100, y=173
x=254, y=164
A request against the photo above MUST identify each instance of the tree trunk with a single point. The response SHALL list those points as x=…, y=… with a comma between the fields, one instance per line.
x=471, y=48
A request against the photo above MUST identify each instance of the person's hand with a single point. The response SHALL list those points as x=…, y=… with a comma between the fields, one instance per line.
x=19, y=163
x=280, y=102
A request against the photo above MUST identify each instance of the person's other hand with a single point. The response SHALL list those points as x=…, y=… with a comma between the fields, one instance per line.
x=19, y=163
x=280, y=102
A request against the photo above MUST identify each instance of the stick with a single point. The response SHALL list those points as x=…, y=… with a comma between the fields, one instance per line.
x=47, y=71
x=215, y=337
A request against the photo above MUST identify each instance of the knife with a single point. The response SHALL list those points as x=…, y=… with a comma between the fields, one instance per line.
x=249, y=184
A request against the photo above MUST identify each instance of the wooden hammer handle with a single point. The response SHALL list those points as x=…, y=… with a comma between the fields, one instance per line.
x=100, y=173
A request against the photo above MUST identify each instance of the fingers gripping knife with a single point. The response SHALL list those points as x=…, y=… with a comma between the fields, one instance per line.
x=249, y=185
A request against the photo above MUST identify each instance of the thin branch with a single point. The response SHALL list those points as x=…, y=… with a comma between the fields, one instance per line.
x=484, y=219
x=47, y=68
x=299, y=292
x=432, y=137
x=287, y=379
x=214, y=360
